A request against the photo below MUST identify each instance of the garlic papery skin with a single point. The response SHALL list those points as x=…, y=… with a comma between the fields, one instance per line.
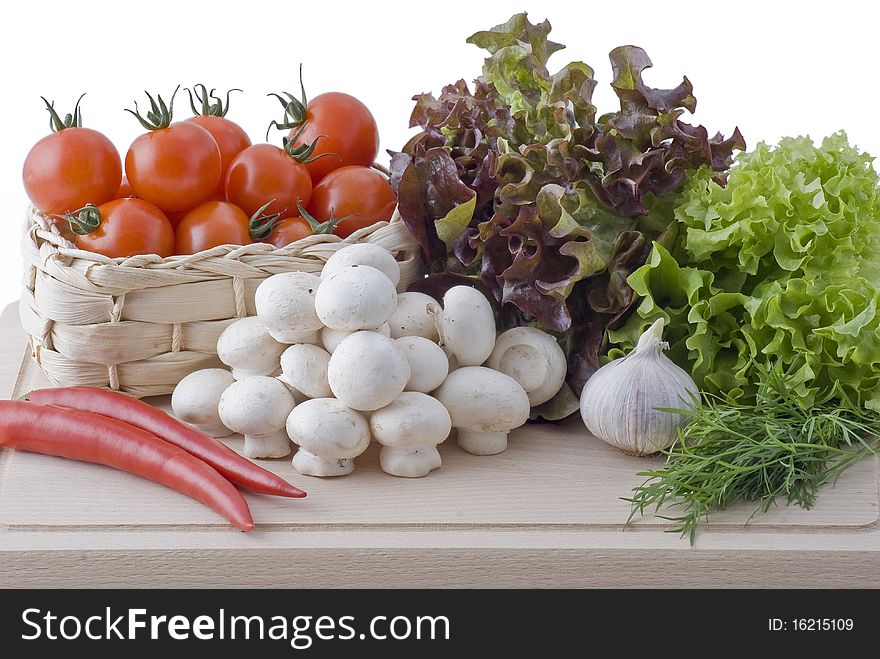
x=619, y=402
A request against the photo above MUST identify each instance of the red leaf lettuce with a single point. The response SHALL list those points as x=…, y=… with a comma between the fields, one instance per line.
x=519, y=187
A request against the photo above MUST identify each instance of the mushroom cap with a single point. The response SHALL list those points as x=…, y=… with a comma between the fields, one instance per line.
x=304, y=367
x=293, y=337
x=367, y=371
x=428, y=364
x=355, y=298
x=286, y=304
x=413, y=419
x=369, y=254
x=451, y=358
x=258, y=405
x=526, y=364
x=411, y=317
x=247, y=347
x=329, y=429
x=196, y=397
x=331, y=338
x=533, y=358
x=483, y=400
x=466, y=325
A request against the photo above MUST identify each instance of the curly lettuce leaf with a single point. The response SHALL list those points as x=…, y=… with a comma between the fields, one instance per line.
x=430, y=187
x=779, y=267
x=517, y=68
x=456, y=221
x=644, y=148
x=429, y=184
x=515, y=184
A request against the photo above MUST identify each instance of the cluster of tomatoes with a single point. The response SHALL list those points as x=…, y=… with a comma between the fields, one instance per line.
x=195, y=184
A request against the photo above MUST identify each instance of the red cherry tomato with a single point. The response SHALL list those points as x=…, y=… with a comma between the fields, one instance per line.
x=345, y=129
x=231, y=139
x=289, y=230
x=127, y=227
x=175, y=217
x=176, y=168
x=72, y=167
x=124, y=190
x=210, y=224
x=265, y=171
x=361, y=195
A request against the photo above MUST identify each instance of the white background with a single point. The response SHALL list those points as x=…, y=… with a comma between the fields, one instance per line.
x=773, y=68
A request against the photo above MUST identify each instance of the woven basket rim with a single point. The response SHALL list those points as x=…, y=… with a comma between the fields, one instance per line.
x=83, y=311
x=38, y=227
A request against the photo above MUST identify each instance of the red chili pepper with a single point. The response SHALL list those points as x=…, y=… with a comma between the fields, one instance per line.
x=68, y=433
x=234, y=467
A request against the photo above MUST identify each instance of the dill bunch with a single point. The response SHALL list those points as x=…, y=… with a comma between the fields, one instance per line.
x=732, y=451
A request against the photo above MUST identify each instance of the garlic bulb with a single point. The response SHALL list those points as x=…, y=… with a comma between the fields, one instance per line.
x=619, y=402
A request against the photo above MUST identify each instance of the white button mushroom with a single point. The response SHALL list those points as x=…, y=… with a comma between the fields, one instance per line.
x=411, y=317
x=409, y=430
x=466, y=325
x=533, y=358
x=196, y=398
x=286, y=304
x=363, y=254
x=356, y=298
x=451, y=358
x=330, y=338
x=330, y=436
x=304, y=367
x=257, y=407
x=247, y=347
x=296, y=337
x=367, y=371
x=428, y=363
x=484, y=405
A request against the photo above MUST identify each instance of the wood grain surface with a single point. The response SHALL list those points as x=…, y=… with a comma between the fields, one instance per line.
x=547, y=512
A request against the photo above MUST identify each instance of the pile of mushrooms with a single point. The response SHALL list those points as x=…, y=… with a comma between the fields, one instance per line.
x=333, y=362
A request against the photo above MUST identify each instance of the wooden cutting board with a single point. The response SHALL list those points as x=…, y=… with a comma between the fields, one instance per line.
x=540, y=513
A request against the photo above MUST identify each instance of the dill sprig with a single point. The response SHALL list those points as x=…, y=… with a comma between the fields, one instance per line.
x=733, y=451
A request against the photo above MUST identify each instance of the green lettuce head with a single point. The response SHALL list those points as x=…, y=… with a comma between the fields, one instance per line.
x=780, y=269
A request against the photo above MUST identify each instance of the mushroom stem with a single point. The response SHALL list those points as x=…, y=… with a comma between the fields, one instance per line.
x=272, y=445
x=409, y=462
x=196, y=400
x=482, y=443
x=309, y=464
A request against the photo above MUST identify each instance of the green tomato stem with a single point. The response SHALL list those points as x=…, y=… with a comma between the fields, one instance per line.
x=159, y=115
x=71, y=120
x=209, y=108
x=84, y=220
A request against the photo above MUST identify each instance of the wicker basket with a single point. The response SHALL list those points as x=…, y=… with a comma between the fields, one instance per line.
x=141, y=324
